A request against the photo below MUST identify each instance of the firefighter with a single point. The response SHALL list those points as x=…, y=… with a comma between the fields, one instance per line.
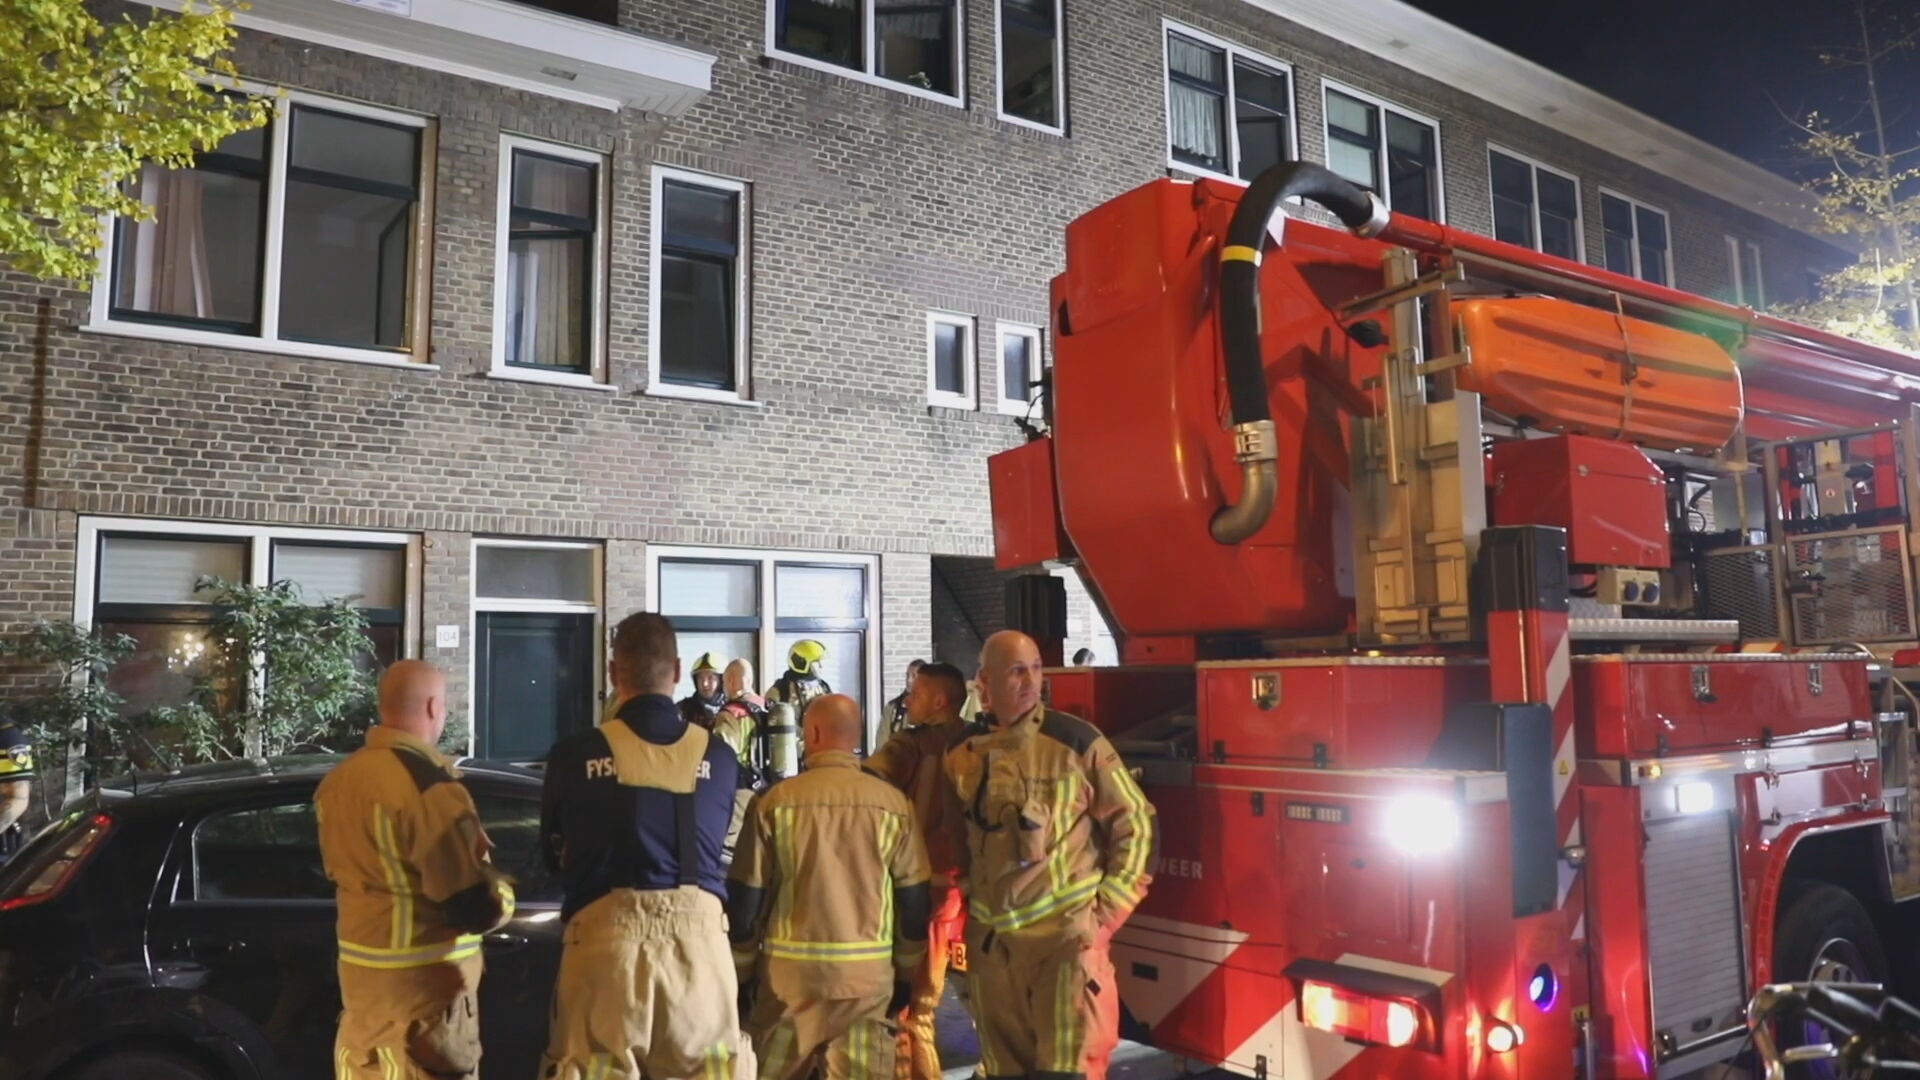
x=633, y=818
x=401, y=841
x=897, y=720
x=825, y=964
x=16, y=783
x=801, y=682
x=741, y=724
x=1059, y=840
x=912, y=761
x=701, y=706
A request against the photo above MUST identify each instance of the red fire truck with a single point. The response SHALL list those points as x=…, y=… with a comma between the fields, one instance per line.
x=1512, y=649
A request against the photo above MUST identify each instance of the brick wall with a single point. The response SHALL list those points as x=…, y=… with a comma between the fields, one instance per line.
x=868, y=208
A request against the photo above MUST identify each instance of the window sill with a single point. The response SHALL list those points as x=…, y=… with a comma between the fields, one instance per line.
x=953, y=404
x=303, y=350
x=1032, y=125
x=552, y=378
x=712, y=397
x=1021, y=409
x=957, y=101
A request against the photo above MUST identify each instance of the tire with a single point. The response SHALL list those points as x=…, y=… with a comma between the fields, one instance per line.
x=144, y=1064
x=1823, y=934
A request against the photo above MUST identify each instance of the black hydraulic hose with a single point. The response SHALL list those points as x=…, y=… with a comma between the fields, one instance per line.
x=1355, y=206
x=1256, y=446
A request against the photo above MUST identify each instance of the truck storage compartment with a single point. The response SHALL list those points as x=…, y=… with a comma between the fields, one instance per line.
x=1655, y=705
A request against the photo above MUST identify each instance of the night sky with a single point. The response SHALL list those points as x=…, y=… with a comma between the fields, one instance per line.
x=1722, y=70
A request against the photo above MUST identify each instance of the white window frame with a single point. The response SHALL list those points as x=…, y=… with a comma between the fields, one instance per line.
x=968, y=399
x=768, y=665
x=259, y=557
x=100, y=318
x=1059, y=71
x=596, y=377
x=1036, y=360
x=742, y=392
x=866, y=74
x=1386, y=180
x=1637, y=205
x=1736, y=249
x=1232, y=132
x=476, y=604
x=1537, y=166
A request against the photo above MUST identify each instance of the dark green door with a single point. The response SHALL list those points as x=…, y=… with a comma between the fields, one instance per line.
x=535, y=674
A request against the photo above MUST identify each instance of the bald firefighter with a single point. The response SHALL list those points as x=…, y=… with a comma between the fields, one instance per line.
x=633, y=818
x=1059, y=840
x=912, y=762
x=403, y=845
x=828, y=909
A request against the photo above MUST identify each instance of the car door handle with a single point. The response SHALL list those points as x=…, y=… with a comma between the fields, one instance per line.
x=504, y=941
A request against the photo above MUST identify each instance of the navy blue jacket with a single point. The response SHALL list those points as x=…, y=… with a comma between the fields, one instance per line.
x=600, y=835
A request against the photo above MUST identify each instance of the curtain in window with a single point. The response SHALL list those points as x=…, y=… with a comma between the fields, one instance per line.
x=167, y=269
x=548, y=277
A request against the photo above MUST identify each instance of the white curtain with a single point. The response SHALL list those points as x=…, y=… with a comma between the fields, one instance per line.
x=165, y=270
x=548, y=288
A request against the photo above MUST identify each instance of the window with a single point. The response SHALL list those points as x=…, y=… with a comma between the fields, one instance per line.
x=536, y=653
x=756, y=605
x=1032, y=64
x=698, y=304
x=549, y=267
x=138, y=578
x=911, y=46
x=1020, y=368
x=1636, y=237
x=513, y=826
x=1749, y=285
x=1383, y=147
x=1229, y=111
x=1535, y=206
x=301, y=237
x=261, y=853
x=950, y=360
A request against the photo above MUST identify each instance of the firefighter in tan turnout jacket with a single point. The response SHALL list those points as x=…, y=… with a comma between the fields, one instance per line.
x=1059, y=841
x=828, y=909
x=401, y=840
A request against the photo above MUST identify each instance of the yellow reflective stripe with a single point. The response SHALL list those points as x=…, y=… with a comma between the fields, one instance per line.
x=1057, y=864
x=1038, y=909
x=831, y=952
x=889, y=833
x=716, y=1058
x=460, y=948
x=1062, y=1006
x=1136, y=865
x=400, y=930
x=1237, y=253
x=342, y=1067
x=780, y=1048
x=388, y=1067
x=783, y=854
x=600, y=1065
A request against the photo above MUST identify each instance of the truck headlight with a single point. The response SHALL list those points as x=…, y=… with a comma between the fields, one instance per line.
x=1422, y=825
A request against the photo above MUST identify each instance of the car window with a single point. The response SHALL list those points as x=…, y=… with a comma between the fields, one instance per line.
x=260, y=853
x=513, y=824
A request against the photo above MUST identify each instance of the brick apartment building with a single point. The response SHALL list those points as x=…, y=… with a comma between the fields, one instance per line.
x=522, y=316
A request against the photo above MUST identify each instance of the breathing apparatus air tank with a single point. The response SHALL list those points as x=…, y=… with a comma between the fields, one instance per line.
x=783, y=742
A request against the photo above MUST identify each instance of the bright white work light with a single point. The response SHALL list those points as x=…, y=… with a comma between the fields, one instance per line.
x=1422, y=825
x=1693, y=797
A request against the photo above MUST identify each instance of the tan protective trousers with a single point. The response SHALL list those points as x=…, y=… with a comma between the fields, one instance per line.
x=855, y=1035
x=1044, y=1001
x=646, y=989
x=409, y=1023
x=917, y=1057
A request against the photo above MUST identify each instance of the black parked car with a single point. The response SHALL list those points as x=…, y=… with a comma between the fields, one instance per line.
x=184, y=931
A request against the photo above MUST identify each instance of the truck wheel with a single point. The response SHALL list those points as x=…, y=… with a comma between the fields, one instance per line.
x=145, y=1064
x=1823, y=934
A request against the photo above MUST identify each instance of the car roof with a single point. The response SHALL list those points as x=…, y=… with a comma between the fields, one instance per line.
x=241, y=776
